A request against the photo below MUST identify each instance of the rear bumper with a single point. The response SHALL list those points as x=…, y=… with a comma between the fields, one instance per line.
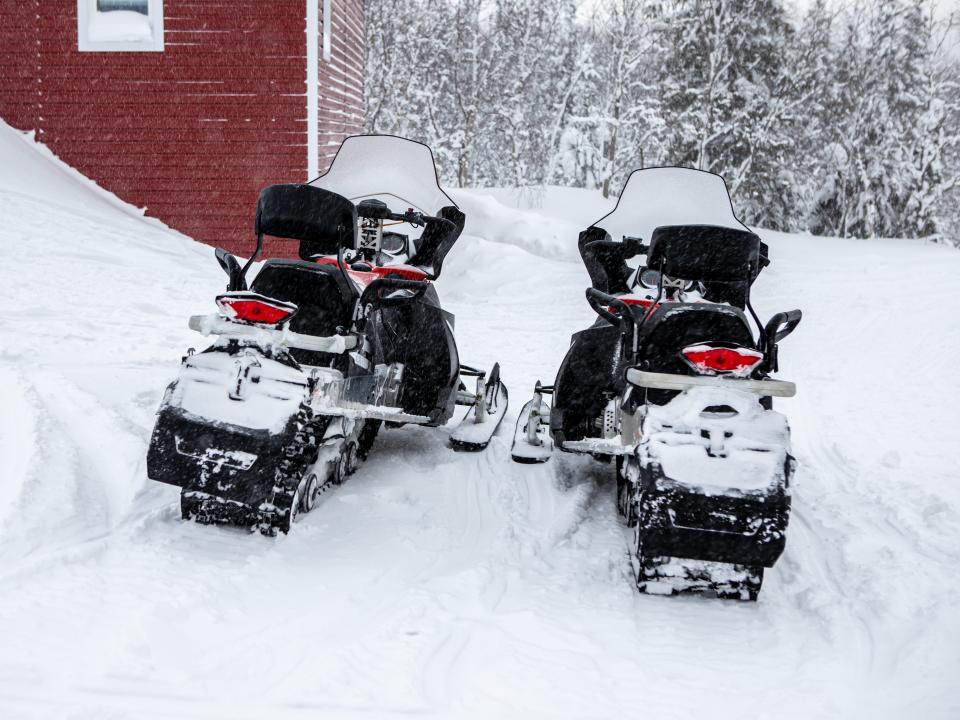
x=749, y=530
x=210, y=509
x=670, y=381
x=231, y=463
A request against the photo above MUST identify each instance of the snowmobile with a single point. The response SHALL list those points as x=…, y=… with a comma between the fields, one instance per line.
x=683, y=399
x=312, y=358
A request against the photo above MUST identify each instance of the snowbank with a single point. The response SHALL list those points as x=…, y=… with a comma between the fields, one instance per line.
x=30, y=170
x=458, y=585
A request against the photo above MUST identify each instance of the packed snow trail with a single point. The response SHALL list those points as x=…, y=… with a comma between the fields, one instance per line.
x=459, y=585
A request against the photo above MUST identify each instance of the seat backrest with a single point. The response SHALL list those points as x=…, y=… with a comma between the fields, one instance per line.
x=706, y=253
x=320, y=219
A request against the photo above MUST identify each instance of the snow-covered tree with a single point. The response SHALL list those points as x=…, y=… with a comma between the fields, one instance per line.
x=730, y=100
x=884, y=160
x=619, y=116
x=845, y=122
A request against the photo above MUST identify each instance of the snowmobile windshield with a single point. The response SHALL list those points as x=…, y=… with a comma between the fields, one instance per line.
x=658, y=197
x=398, y=171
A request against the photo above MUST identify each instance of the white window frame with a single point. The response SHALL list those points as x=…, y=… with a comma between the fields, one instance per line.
x=327, y=28
x=87, y=8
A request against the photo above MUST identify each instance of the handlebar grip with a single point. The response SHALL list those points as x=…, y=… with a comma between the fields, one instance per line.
x=630, y=246
x=781, y=325
x=371, y=292
x=404, y=217
x=598, y=299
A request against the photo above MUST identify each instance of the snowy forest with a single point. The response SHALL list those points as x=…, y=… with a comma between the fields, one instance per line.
x=837, y=120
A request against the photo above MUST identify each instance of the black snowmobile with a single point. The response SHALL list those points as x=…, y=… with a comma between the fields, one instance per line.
x=318, y=352
x=683, y=400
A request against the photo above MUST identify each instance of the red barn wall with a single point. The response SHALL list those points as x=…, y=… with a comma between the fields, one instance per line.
x=341, y=79
x=339, y=90
x=194, y=132
x=19, y=58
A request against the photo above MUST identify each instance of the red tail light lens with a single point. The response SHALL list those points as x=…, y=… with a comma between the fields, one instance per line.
x=404, y=272
x=645, y=303
x=710, y=360
x=253, y=308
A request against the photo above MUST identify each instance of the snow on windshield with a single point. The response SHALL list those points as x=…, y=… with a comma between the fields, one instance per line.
x=656, y=197
x=398, y=171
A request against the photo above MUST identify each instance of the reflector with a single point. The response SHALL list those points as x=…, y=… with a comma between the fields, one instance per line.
x=710, y=360
x=252, y=308
x=643, y=302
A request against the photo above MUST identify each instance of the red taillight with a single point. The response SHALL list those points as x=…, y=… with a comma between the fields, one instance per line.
x=645, y=303
x=403, y=272
x=709, y=360
x=255, y=309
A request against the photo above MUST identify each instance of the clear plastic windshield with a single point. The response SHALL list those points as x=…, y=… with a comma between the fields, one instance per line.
x=656, y=197
x=398, y=171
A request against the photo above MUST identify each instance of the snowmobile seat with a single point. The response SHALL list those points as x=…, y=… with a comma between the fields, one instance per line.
x=673, y=326
x=324, y=300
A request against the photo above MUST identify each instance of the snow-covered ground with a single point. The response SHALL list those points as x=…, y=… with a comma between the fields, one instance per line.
x=456, y=585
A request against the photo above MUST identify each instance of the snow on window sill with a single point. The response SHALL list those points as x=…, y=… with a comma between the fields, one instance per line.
x=119, y=26
x=119, y=30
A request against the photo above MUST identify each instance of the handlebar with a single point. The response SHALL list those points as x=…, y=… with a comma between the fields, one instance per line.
x=371, y=294
x=381, y=212
x=629, y=247
x=781, y=325
x=634, y=246
x=599, y=299
x=776, y=329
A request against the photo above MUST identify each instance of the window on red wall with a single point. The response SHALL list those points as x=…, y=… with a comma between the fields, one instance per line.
x=120, y=25
x=140, y=6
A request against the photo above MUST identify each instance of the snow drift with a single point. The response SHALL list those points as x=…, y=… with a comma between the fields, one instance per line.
x=459, y=585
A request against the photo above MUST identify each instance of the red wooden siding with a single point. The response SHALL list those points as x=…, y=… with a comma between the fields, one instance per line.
x=191, y=133
x=341, y=79
x=19, y=58
x=340, y=88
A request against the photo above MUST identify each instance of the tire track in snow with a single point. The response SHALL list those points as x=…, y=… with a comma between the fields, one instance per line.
x=17, y=443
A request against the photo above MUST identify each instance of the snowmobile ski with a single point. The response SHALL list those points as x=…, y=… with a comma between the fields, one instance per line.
x=532, y=442
x=487, y=407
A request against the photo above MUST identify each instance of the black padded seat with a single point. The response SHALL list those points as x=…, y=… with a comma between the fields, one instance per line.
x=674, y=326
x=324, y=300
